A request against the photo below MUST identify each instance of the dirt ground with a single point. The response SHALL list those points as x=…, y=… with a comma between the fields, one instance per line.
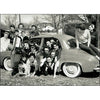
x=86, y=79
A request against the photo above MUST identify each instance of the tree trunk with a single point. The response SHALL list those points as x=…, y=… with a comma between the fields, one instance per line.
x=19, y=18
x=98, y=29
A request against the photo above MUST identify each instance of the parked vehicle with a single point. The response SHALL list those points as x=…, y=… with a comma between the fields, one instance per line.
x=72, y=61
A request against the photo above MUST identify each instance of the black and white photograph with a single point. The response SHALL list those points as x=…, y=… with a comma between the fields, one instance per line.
x=50, y=49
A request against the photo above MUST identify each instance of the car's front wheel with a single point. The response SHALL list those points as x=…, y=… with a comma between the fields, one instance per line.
x=71, y=70
x=7, y=64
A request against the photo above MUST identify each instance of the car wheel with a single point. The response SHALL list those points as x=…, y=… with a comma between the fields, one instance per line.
x=71, y=70
x=7, y=64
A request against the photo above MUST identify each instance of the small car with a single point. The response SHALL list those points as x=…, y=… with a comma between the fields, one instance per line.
x=72, y=61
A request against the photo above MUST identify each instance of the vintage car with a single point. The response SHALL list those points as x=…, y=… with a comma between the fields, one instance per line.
x=72, y=61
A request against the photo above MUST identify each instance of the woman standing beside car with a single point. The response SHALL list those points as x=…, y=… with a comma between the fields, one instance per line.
x=4, y=42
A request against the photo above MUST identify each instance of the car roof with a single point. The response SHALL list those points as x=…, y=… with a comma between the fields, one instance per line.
x=65, y=37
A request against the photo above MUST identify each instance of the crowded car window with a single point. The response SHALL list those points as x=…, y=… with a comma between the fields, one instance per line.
x=35, y=42
x=51, y=45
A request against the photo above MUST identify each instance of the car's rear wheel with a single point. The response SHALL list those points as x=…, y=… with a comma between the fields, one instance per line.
x=7, y=64
x=71, y=70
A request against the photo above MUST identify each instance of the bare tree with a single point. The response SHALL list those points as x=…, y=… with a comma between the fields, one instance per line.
x=35, y=20
x=55, y=19
x=10, y=19
x=98, y=29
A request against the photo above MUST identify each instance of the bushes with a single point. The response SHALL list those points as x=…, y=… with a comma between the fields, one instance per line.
x=69, y=29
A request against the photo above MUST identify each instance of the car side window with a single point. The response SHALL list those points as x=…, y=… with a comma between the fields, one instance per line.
x=36, y=42
x=72, y=43
x=51, y=41
x=51, y=45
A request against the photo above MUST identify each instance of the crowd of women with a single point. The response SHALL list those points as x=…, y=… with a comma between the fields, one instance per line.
x=32, y=59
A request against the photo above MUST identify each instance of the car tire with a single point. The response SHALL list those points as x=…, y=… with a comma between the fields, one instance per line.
x=71, y=70
x=7, y=64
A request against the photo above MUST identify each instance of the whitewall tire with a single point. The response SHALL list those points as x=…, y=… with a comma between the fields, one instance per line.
x=7, y=64
x=71, y=70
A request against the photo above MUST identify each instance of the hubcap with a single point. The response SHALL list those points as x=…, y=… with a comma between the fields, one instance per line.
x=9, y=63
x=71, y=69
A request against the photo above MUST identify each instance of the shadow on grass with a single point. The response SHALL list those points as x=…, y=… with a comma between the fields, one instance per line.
x=90, y=74
x=86, y=74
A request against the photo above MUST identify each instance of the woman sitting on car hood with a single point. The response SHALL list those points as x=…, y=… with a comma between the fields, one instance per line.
x=83, y=41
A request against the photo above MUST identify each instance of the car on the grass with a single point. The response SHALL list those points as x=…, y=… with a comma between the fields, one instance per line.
x=72, y=61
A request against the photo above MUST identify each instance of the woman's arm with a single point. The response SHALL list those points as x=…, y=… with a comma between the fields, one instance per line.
x=77, y=42
x=89, y=38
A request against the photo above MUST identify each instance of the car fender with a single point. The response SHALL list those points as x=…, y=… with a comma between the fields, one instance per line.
x=85, y=60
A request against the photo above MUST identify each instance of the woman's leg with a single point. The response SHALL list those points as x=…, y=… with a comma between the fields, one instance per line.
x=55, y=68
x=87, y=49
x=95, y=49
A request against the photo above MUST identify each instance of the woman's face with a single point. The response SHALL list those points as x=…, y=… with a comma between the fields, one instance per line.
x=33, y=28
x=6, y=35
x=12, y=29
x=33, y=49
x=16, y=33
x=32, y=58
x=56, y=47
x=52, y=41
x=24, y=58
x=21, y=27
x=23, y=34
x=26, y=45
x=91, y=28
x=46, y=50
x=52, y=54
x=49, y=60
x=48, y=43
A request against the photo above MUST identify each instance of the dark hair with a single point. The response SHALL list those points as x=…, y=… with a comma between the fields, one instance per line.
x=16, y=31
x=20, y=24
x=49, y=56
x=24, y=55
x=81, y=26
x=7, y=31
x=32, y=46
x=12, y=26
x=22, y=31
x=52, y=51
x=26, y=39
x=20, y=62
x=55, y=44
x=46, y=47
x=32, y=54
x=34, y=26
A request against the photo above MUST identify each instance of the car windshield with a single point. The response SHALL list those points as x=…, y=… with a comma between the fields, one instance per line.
x=66, y=44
